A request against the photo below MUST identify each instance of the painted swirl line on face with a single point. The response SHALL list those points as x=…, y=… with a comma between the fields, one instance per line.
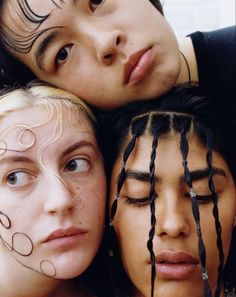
x=5, y=221
x=22, y=245
x=26, y=137
x=3, y=147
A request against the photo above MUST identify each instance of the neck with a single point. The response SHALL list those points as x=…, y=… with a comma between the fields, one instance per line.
x=188, y=62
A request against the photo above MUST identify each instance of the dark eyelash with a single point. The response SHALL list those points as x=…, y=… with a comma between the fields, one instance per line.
x=204, y=198
x=138, y=201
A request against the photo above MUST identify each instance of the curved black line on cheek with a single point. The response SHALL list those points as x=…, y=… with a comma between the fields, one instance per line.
x=12, y=248
x=8, y=226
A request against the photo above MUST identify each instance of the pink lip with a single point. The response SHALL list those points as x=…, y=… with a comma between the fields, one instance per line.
x=175, y=265
x=137, y=66
x=64, y=237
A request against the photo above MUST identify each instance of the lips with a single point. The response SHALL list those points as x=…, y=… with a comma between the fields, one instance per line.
x=175, y=265
x=137, y=66
x=64, y=233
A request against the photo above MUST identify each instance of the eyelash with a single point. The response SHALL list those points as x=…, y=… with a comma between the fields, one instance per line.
x=204, y=199
x=57, y=63
x=139, y=202
x=90, y=5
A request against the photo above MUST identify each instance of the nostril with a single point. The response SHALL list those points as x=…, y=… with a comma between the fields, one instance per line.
x=108, y=57
x=118, y=40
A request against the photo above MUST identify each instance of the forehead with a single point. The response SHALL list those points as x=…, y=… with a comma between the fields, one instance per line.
x=55, y=120
x=24, y=17
x=33, y=7
x=168, y=153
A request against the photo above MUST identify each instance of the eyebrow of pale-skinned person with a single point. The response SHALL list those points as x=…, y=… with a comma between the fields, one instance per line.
x=78, y=145
x=144, y=176
x=15, y=159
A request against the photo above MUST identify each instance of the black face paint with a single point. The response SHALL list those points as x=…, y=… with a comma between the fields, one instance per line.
x=29, y=19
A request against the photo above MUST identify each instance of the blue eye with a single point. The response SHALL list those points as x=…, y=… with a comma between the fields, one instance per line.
x=77, y=165
x=19, y=178
x=63, y=54
x=94, y=4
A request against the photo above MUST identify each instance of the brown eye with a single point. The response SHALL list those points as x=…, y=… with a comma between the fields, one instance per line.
x=77, y=165
x=94, y=4
x=63, y=54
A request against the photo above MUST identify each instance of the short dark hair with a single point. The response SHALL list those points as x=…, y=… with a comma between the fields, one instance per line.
x=158, y=5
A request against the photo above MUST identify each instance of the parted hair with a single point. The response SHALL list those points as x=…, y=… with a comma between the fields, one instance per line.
x=183, y=110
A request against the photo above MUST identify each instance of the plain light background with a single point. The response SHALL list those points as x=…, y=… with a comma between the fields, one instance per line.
x=186, y=16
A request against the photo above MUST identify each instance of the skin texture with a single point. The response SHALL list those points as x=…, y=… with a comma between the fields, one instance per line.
x=55, y=183
x=175, y=227
x=92, y=45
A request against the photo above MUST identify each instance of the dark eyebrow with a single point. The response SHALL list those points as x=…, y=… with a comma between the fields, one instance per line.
x=44, y=45
x=144, y=176
x=78, y=145
x=203, y=173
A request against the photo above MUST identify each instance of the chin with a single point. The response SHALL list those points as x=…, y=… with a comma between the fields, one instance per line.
x=68, y=268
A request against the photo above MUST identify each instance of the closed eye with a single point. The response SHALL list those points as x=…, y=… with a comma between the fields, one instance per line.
x=137, y=201
x=204, y=198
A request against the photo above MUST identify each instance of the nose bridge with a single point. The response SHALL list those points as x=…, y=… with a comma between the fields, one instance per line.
x=172, y=216
x=59, y=197
x=104, y=39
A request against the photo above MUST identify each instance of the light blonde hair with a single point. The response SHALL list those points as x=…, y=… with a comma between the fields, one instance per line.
x=38, y=93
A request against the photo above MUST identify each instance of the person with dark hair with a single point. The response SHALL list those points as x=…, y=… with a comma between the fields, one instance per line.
x=53, y=195
x=124, y=49
x=172, y=166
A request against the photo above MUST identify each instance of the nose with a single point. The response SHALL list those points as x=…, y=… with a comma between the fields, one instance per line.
x=107, y=46
x=173, y=217
x=59, y=198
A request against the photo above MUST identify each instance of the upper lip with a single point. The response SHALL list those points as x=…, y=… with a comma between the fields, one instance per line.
x=60, y=233
x=175, y=258
x=131, y=63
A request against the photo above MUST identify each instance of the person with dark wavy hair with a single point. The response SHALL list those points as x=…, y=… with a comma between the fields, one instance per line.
x=172, y=166
x=111, y=52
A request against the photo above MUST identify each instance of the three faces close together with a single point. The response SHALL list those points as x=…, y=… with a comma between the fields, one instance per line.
x=57, y=180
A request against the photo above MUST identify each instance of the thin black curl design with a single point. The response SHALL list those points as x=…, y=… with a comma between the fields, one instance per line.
x=18, y=42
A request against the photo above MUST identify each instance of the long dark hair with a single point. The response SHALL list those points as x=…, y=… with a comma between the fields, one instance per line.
x=180, y=110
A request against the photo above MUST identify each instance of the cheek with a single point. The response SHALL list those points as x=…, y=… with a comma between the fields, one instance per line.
x=132, y=234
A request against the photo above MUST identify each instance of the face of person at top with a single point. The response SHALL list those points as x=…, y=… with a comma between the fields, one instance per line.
x=53, y=191
x=175, y=241
x=106, y=52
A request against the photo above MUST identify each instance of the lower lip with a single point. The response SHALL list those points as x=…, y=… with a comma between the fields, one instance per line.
x=178, y=271
x=65, y=242
x=142, y=67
